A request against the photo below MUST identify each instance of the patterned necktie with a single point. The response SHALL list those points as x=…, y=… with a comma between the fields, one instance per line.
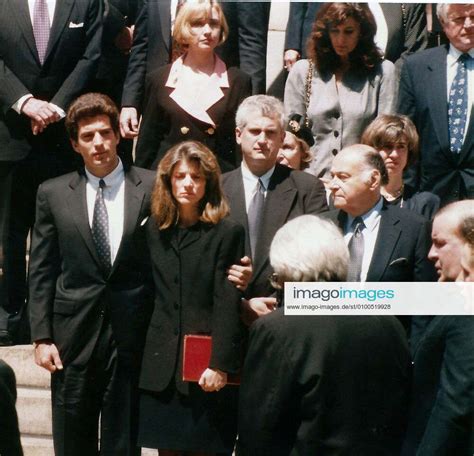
x=41, y=26
x=457, y=106
x=100, y=228
x=254, y=216
x=356, y=251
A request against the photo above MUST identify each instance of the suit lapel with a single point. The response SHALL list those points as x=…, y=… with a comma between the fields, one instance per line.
x=163, y=9
x=436, y=83
x=21, y=12
x=278, y=203
x=134, y=197
x=61, y=16
x=468, y=144
x=77, y=204
x=235, y=194
x=387, y=238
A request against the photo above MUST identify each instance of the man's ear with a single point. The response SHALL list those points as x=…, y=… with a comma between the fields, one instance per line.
x=74, y=145
x=238, y=134
x=375, y=179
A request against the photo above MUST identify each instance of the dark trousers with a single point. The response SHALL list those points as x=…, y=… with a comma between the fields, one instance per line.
x=19, y=181
x=9, y=433
x=104, y=387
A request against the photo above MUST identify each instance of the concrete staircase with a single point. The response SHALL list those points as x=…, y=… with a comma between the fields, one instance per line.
x=34, y=402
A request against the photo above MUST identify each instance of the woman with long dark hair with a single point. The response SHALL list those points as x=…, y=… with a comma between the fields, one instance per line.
x=192, y=244
x=344, y=84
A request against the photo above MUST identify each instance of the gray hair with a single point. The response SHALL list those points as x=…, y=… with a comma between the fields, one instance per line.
x=309, y=249
x=263, y=105
x=459, y=213
x=442, y=11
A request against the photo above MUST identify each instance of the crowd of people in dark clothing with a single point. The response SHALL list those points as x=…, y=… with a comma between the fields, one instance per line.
x=165, y=196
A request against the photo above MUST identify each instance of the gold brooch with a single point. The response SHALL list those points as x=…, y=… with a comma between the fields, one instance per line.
x=294, y=125
x=184, y=130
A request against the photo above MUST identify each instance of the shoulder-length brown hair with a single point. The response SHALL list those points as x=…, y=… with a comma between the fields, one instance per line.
x=363, y=58
x=388, y=129
x=164, y=207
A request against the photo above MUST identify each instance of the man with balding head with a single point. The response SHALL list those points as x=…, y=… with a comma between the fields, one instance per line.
x=441, y=419
x=448, y=241
x=386, y=243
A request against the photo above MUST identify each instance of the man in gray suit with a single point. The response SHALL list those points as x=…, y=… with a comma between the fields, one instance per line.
x=264, y=195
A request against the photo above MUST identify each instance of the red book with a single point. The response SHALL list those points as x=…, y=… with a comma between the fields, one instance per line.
x=196, y=356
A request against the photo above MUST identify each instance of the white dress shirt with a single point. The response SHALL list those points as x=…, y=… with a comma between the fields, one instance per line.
x=370, y=232
x=452, y=68
x=114, y=197
x=250, y=183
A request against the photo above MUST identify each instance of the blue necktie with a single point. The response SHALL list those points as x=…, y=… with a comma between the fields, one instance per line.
x=457, y=106
x=100, y=228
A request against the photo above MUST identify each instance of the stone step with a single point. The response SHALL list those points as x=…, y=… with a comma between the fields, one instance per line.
x=34, y=411
x=37, y=446
x=22, y=360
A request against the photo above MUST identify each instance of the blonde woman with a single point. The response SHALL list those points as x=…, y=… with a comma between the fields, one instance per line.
x=196, y=97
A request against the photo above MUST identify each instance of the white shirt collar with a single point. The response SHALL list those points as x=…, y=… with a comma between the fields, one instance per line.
x=454, y=54
x=252, y=178
x=370, y=218
x=112, y=179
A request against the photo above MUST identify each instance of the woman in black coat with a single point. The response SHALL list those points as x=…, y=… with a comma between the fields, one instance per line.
x=191, y=244
x=197, y=96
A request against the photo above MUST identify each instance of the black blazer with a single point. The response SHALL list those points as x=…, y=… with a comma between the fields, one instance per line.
x=401, y=249
x=324, y=385
x=165, y=123
x=423, y=97
x=441, y=419
x=290, y=193
x=246, y=46
x=70, y=65
x=406, y=29
x=70, y=295
x=192, y=296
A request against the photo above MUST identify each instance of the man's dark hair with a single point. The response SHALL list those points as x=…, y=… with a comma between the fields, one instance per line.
x=91, y=105
x=375, y=161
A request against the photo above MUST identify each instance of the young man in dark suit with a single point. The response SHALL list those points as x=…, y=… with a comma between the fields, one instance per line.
x=436, y=92
x=49, y=51
x=88, y=296
x=395, y=241
x=264, y=195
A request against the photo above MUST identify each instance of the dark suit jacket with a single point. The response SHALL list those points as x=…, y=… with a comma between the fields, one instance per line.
x=324, y=385
x=245, y=47
x=441, y=419
x=423, y=97
x=165, y=123
x=401, y=249
x=70, y=64
x=70, y=295
x=290, y=193
x=10, y=436
x=192, y=296
x=402, y=39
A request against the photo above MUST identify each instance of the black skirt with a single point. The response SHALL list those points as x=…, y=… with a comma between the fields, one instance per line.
x=202, y=421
